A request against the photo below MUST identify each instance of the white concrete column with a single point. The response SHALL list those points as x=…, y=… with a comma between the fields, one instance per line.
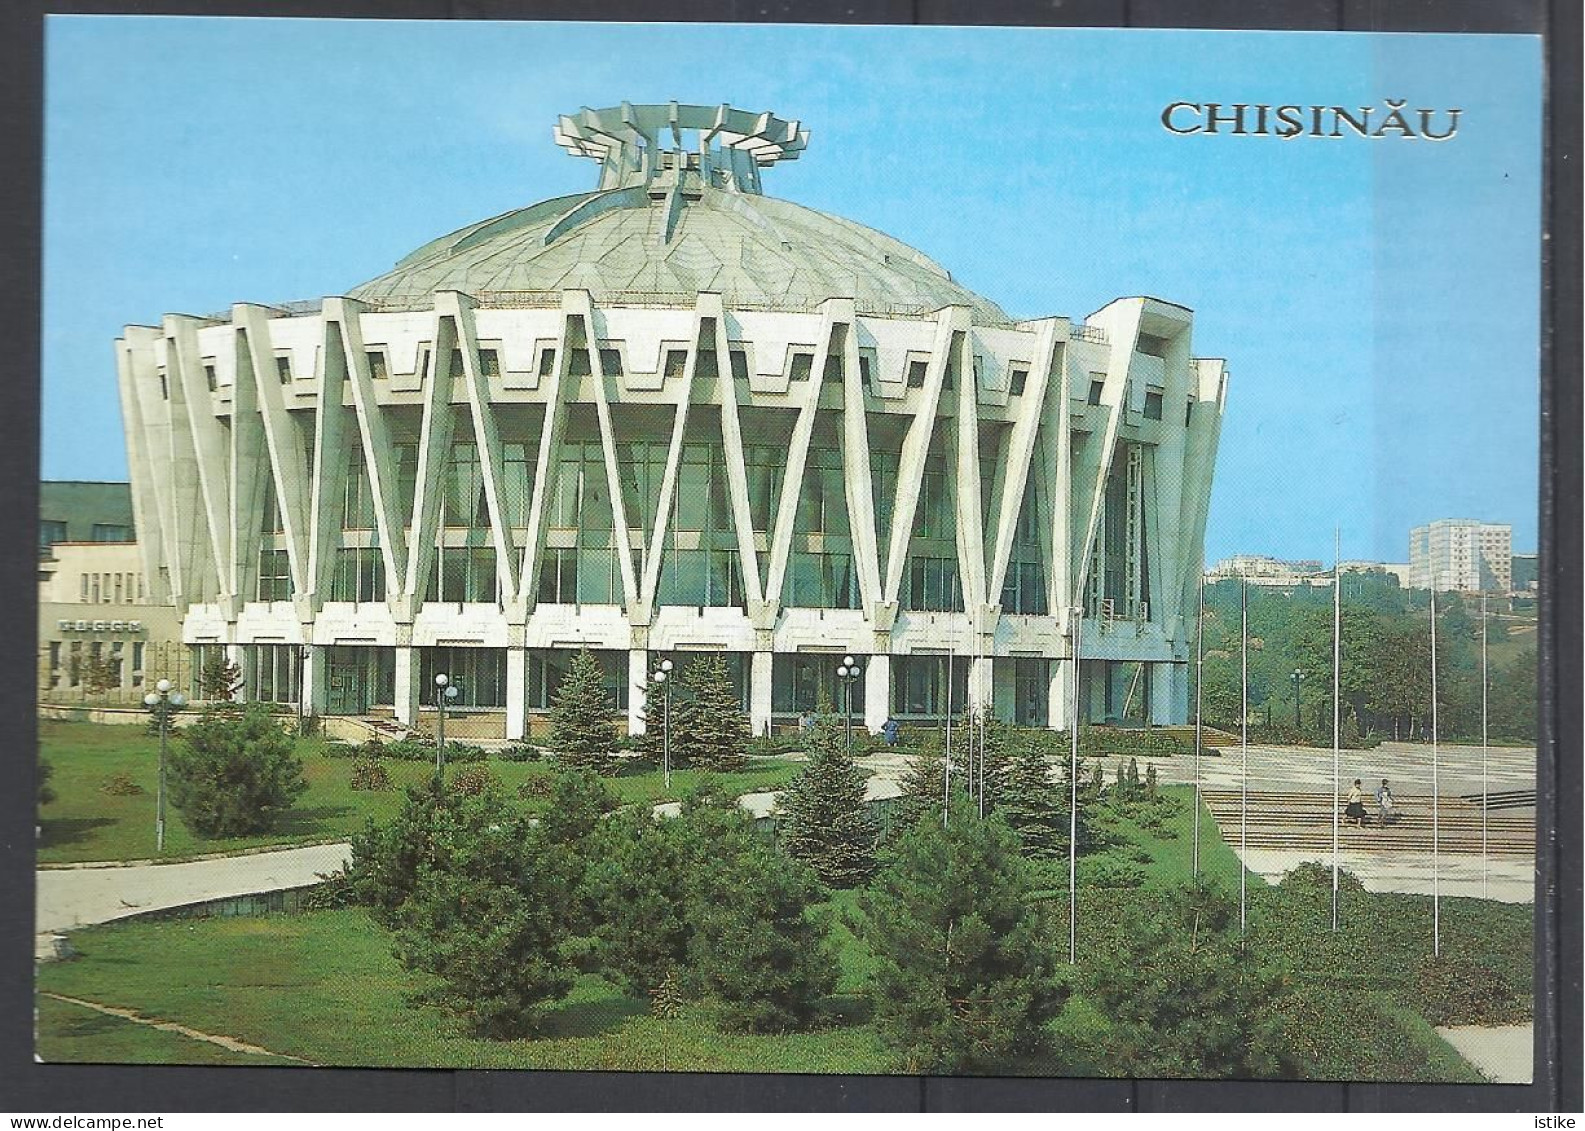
x=516, y=692
x=759, y=700
x=1060, y=695
x=407, y=689
x=315, y=685
x=1169, y=694
x=980, y=683
x=637, y=688
x=877, y=691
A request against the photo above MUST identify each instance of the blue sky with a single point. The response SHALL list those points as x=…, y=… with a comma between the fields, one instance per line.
x=1377, y=301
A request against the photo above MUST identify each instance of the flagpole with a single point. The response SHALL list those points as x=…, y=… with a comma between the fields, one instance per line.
x=1436, y=801
x=946, y=778
x=1243, y=808
x=1337, y=682
x=1199, y=700
x=1485, y=786
x=1073, y=794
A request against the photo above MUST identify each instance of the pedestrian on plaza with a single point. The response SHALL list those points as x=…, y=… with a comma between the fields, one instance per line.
x=806, y=723
x=1355, y=809
x=891, y=730
x=1386, y=805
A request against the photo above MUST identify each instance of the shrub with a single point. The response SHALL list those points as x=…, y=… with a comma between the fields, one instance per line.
x=1314, y=875
x=1456, y=991
x=537, y=788
x=120, y=785
x=234, y=773
x=521, y=752
x=473, y=780
x=371, y=748
x=414, y=748
x=368, y=774
x=334, y=748
x=582, y=718
x=465, y=752
x=334, y=892
x=1109, y=872
x=964, y=978
x=825, y=822
x=1181, y=996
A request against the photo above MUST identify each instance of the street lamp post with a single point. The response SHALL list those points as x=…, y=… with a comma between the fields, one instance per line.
x=847, y=672
x=1298, y=677
x=163, y=699
x=662, y=679
x=445, y=692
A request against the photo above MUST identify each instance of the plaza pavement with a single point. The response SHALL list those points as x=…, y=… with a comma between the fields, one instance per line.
x=1504, y=1054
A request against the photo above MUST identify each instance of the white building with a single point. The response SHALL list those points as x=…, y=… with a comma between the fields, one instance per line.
x=1259, y=569
x=1462, y=554
x=670, y=416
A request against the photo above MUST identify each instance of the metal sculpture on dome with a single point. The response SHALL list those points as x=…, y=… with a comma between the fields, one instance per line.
x=729, y=146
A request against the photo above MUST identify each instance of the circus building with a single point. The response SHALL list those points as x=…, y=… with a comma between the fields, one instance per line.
x=674, y=416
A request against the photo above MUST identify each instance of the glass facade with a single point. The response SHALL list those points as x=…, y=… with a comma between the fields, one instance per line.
x=808, y=681
x=923, y=689
x=478, y=674
x=547, y=667
x=271, y=672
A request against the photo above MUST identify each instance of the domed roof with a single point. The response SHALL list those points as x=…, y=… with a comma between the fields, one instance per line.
x=677, y=222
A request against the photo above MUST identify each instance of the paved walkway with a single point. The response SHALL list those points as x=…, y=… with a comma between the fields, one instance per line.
x=76, y=897
x=1504, y=1054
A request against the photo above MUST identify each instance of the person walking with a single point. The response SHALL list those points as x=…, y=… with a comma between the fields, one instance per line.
x=1355, y=809
x=1387, y=808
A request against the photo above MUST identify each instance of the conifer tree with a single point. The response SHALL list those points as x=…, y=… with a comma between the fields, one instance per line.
x=924, y=790
x=973, y=743
x=709, y=729
x=964, y=978
x=825, y=822
x=581, y=718
x=1035, y=806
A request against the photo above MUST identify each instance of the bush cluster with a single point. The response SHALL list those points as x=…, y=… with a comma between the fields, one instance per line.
x=368, y=774
x=120, y=785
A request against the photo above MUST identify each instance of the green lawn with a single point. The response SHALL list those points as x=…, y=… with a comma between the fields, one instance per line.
x=86, y=823
x=65, y=1032
x=308, y=985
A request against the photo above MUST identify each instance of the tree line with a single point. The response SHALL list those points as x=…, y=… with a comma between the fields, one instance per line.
x=1385, y=684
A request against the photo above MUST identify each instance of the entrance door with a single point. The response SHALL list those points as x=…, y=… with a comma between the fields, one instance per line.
x=346, y=677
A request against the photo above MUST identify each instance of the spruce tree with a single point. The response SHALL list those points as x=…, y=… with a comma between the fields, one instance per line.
x=825, y=822
x=581, y=718
x=964, y=979
x=973, y=744
x=1036, y=807
x=924, y=790
x=709, y=728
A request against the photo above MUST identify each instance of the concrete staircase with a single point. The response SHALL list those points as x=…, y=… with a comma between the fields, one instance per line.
x=1303, y=822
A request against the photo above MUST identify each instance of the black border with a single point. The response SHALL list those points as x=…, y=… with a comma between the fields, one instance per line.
x=57, y=1088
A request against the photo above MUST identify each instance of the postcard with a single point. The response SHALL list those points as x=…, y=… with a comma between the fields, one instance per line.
x=882, y=550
